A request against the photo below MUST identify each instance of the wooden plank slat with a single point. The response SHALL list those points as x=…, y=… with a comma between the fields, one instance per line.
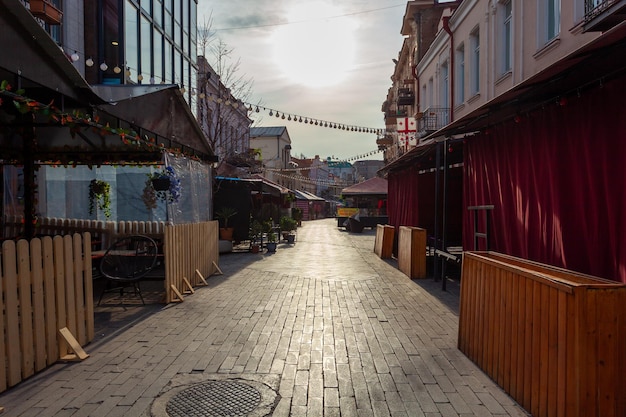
x=59, y=279
x=39, y=310
x=13, y=348
x=70, y=291
x=88, y=287
x=517, y=361
x=25, y=317
x=50, y=294
x=79, y=290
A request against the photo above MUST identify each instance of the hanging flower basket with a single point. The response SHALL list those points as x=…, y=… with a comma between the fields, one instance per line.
x=161, y=184
x=100, y=197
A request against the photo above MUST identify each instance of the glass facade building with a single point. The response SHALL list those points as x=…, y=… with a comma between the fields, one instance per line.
x=147, y=42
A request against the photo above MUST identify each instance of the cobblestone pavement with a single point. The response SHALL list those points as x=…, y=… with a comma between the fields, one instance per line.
x=325, y=324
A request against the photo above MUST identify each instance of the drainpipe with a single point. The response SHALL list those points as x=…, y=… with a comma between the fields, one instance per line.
x=417, y=89
x=418, y=20
x=446, y=27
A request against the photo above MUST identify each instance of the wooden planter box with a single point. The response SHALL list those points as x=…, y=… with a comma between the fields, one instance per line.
x=383, y=245
x=46, y=11
x=412, y=251
x=554, y=339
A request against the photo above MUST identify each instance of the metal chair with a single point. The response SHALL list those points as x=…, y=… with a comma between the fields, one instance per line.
x=126, y=262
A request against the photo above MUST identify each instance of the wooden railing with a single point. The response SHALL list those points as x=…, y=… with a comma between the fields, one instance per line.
x=46, y=287
x=555, y=340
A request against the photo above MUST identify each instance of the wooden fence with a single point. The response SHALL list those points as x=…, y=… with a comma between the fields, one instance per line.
x=46, y=287
x=103, y=233
x=191, y=254
x=555, y=340
x=191, y=250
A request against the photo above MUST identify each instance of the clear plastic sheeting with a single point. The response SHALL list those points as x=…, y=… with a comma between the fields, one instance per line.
x=63, y=192
x=194, y=204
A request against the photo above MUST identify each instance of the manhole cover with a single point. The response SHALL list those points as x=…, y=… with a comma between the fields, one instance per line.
x=214, y=398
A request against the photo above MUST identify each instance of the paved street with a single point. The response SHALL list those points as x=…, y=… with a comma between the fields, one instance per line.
x=320, y=328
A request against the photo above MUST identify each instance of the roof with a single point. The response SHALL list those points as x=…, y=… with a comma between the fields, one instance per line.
x=41, y=64
x=305, y=195
x=267, y=131
x=47, y=75
x=161, y=109
x=373, y=186
x=258, y=184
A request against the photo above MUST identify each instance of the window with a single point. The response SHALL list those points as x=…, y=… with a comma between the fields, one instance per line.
x=554, y=17
x=131, y=38
x=549, y=19
x=158, y=56
x=460, y=74
x=506, y=36
x=444, y=89
x=145, y=48
x=474, y=73
x=431, y=92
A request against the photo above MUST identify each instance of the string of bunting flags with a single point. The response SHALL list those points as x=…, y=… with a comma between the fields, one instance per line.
x=300, y=178
x=290, y=116
x=352, y=158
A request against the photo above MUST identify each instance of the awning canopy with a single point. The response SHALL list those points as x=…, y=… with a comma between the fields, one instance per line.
x=259, y=185
x=374, y=186
x=305, y=195
x=75, y=123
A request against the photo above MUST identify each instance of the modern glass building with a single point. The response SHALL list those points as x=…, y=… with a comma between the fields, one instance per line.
x=142, y=42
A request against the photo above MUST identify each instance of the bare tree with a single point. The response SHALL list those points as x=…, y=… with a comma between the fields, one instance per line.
x=223, y=107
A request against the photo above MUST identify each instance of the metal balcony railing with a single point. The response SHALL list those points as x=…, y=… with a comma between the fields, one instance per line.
x=406, y=97
x=433, y=119
x=593, y=8
x=601, y=15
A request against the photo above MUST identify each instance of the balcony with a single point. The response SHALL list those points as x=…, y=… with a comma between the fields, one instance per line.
x=46, y=11
x=391, y=117
x=433, y=119
x=405, y=97
x=384, y=141
x=602, y=15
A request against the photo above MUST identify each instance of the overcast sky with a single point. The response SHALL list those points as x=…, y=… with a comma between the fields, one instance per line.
x=326, y=60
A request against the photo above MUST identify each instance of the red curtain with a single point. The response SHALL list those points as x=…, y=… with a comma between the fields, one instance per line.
x=557, y=179
x=402, y=200
x=411, y=200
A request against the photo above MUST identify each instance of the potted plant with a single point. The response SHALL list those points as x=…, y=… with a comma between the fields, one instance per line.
x=256, y=230
x=287, y=226
x=271, y=242
x=100, y=197
x=224, y=214
x=296, y=214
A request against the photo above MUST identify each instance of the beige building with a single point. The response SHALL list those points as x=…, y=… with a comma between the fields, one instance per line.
x=274, y=147
x=460, y=55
